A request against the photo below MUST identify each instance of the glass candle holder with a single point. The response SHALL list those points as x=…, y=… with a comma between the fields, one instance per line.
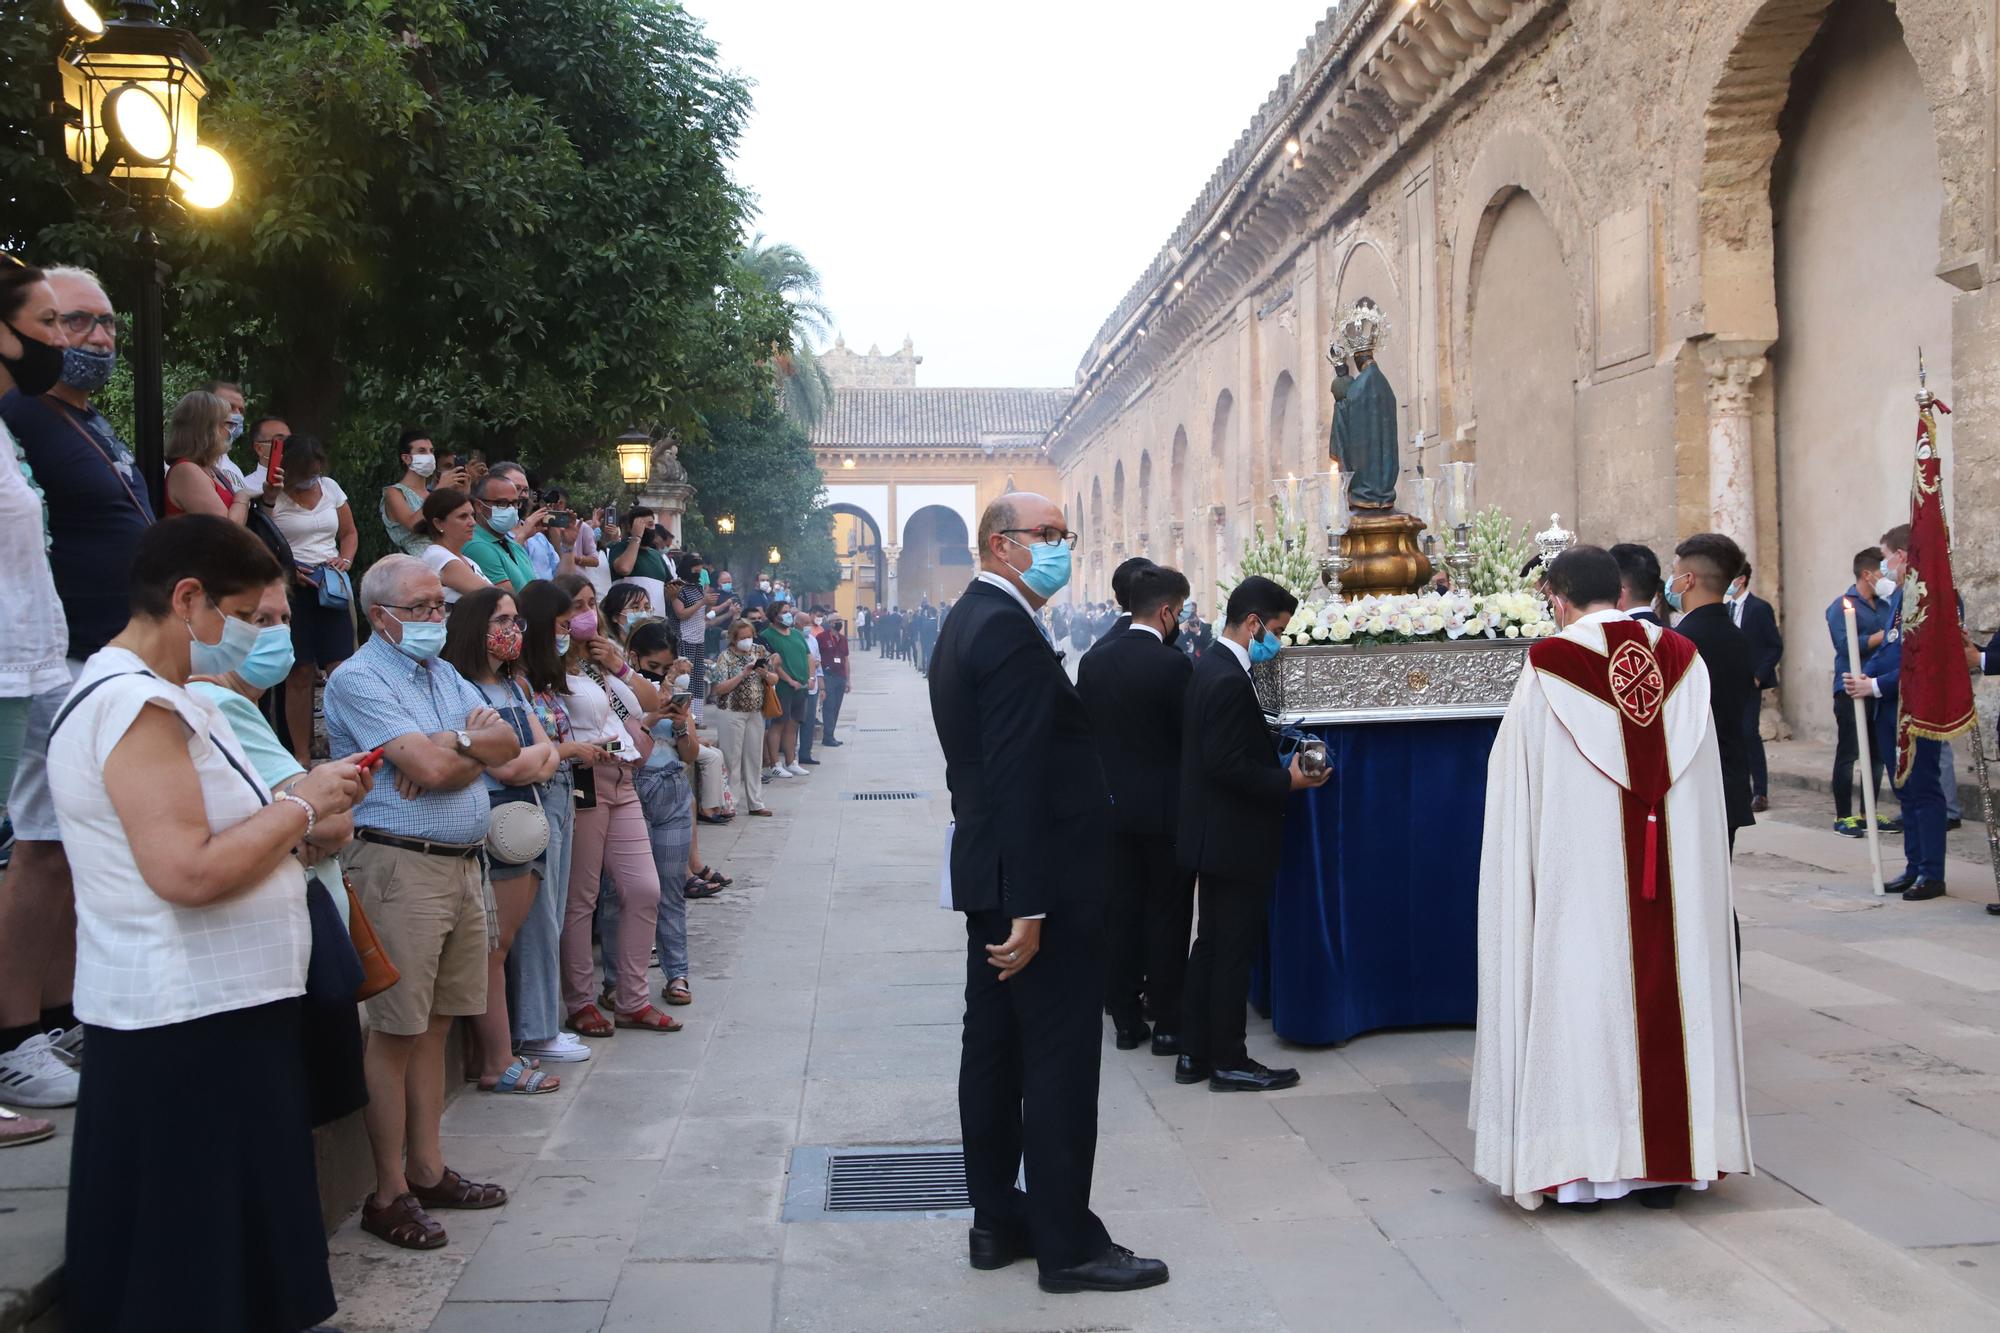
x=1423, y=500
x=1458, y=493
x=1337, y=513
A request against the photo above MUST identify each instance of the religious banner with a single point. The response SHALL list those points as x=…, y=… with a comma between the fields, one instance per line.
x=1936, y=690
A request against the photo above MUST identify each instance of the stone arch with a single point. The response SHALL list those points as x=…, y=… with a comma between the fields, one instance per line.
x=1281, y=449
x=1521, y=366
x=1177, y=477
x=1367, y=268
x=936, y=561
x=1120, y=532
x=1097, y=537
x=1513, y=158
x=1748, y=93
x=1146, y=525
x=1222, y=448
x=871, y=573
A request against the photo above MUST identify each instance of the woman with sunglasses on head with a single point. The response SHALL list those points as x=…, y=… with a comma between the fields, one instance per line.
x=484, y=643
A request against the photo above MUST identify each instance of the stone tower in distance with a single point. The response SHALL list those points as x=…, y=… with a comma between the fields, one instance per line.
x=875, y=370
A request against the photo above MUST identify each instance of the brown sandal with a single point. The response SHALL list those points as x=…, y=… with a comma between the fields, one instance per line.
x=651, y=1019
x=402, y=1222
x=677, y=992
x=590, y=1021
x=455, y=1191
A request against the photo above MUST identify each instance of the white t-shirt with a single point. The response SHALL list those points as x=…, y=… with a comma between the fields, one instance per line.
x=37, y=637
x=591, y=719
x=142, y=962
x=314, y=533
x=437, y=558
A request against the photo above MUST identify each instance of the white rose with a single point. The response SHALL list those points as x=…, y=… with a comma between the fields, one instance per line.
x=1513, y=631
x=1404, y=625
x=1319, y=634
x=1342, y=631
x=1433, y=623
x=1375, y=625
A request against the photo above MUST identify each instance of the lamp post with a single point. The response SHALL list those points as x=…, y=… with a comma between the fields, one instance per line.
x=635, y=460
x=129, y=100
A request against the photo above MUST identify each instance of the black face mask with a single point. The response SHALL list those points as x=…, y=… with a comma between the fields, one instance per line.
x=39, y=367
x=1173, y=636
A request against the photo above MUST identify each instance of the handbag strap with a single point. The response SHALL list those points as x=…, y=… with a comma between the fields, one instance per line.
x=97, y=448
x=520, y=726
x=592, y=670
x=263, y=798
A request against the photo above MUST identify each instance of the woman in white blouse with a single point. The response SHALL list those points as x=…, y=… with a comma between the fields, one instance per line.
x=447, y=524
x=313, y=514
x=192, y=945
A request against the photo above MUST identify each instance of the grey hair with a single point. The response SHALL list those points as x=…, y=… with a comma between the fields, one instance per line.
x=508, y=465
x=382, y=585
x=79, y=274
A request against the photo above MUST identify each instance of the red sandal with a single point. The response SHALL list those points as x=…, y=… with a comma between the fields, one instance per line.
x=651, y=1019
x=590, y=1021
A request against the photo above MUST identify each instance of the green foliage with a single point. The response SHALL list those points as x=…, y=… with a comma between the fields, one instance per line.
x=759, y=469
x=804, y=390
x=1295, y=569
x=1500, y=551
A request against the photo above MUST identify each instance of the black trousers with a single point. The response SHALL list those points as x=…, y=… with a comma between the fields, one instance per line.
x=1235, y=913
x=1847, y=753
x=1760, y=773
x=1027, y=1087
x=1146, y=931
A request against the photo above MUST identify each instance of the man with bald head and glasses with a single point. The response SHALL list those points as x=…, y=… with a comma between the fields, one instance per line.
x=1028, y=858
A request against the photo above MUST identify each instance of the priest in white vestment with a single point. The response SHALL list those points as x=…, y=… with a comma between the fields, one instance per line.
x=1609, y=1056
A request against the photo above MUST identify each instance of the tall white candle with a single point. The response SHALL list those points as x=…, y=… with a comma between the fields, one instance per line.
x=1866, y=770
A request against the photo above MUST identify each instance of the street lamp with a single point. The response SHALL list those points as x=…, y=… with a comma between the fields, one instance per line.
x=726, y=525
x=635, y=459
x=772, y=558
x=130, y=100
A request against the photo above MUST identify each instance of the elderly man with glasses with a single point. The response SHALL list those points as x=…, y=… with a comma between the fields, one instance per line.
x=418, y=866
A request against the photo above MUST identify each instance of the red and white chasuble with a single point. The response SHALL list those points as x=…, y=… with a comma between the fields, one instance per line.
x=1609, y=1054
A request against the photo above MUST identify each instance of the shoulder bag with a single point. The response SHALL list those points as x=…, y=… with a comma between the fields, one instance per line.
x=517, y=830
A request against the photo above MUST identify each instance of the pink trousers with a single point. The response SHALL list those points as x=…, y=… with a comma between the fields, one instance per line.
x=612, y=836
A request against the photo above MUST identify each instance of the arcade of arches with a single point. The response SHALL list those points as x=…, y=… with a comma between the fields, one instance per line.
x=1660, y=268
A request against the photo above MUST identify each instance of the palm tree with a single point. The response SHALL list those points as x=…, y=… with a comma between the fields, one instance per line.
x=803, y=388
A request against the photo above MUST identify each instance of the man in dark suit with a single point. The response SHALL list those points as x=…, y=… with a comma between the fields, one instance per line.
x=1027, y=863
x=1638, y=581
x=1234, y=792
x=1704, y=565
x=1759, y=623
x=1121, y=588
x=1134, y=687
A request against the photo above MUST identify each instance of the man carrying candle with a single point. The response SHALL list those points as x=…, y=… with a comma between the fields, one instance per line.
x=1608, y=1056
x=1866, y=604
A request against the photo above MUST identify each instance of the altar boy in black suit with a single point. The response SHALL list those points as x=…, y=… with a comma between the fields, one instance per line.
x=1232, y=817
x=1027, y=865
x=1134, y=687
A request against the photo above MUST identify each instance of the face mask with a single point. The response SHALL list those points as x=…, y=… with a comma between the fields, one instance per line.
x=271, y=660
x=632, y=618
x=225, y=654
x=504, y=644
x=423, y=464
x=728, y=588
x=1884, y=589
x=1172, y=636
x=562, y=645
x=305, y=484
x=1673, y=598
x=583, y=625
x=1050, y=571
x=502, y=519
x=743, y=644
x=1263, y=648
x=763, y=585
x=39, y=367
x=785, y=619
x=683, y=681
x=422, y=639
x=235, y=427
x=653, y=676
x=87, y=371
x=1187, y=610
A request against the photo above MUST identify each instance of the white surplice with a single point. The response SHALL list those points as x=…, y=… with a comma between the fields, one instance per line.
x=1556, y=1089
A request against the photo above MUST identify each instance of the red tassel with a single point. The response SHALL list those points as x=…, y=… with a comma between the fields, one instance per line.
x=1649, y=887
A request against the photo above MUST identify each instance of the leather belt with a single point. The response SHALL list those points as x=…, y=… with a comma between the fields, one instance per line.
x=424, y=845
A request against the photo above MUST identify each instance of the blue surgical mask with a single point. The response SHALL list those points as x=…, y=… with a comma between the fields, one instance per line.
x=422, y=639
x=562, y=645
x=786, y=619
x=225, y=654
x=1263, y=648
x=503, y=518
x=632, y=618
x=271, y=660
x=87, y=371
x=1187, y=610
x=1673, y=598
x=1049, y=573
x=235, y=427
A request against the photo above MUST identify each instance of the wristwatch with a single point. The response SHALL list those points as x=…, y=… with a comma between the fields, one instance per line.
x=464, y=740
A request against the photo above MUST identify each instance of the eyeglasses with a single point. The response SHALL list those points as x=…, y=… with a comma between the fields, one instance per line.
x=272, y=439
x=422, y=610
x=1046, y=536
x=509, y=622
x=77, y=322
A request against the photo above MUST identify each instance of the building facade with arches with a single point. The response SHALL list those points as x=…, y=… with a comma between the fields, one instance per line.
x=1659, y=268
x=909, y=468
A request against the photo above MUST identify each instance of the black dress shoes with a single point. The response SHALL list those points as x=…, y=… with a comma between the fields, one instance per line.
x=1252, y=1077
x=1659, y=1196
x=1131, y=1035
x=1166, y=1043
x=1900, y=885
x=997, y=1249
x=1924, y=890
x=1117, y=1269
x=1187, y=1069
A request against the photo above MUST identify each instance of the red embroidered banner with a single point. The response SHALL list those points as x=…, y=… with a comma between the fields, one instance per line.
x=1935, y=689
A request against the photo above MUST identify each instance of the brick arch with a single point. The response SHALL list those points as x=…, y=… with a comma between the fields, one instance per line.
x=1747, y=94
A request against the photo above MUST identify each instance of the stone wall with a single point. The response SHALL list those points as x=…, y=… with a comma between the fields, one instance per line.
x=1660, y=267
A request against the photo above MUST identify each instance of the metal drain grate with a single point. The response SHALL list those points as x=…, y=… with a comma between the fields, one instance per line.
x=858, y=1184
x=885, y=795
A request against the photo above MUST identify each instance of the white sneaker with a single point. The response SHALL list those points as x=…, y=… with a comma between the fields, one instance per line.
x=564, y=1049
x=33, y=1074
x=801, y=771
x=69, y=1047
x=779, y=772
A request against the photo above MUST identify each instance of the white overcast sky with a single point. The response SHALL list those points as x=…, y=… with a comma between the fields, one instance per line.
x=991, y=178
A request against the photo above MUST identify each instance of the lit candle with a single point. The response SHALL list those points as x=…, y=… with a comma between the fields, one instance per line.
x=1866, y=769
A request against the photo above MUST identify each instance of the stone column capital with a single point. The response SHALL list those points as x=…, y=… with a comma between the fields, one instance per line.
x=1733, y=368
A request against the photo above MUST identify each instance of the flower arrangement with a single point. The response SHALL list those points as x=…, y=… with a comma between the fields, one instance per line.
x=1427, y=617
x=1296, y=569
x=1500, y=551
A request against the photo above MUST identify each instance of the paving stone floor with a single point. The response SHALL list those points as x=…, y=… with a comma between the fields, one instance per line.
x=647, y=1191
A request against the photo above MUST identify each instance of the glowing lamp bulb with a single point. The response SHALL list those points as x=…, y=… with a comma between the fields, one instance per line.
x=205, y=178
x=142, y=124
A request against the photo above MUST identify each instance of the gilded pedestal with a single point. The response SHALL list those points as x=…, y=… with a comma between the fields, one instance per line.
x=1382, y=548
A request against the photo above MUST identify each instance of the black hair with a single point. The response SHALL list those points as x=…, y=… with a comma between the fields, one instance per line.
x=1260, y=597
x=408, y=438
x=654, y=636
x=1866, y=560
x=1121, y=578
x=611, y=608
x=15, y=280
x=691, y=559
x=1156, y=586
x=305, y=456
x=1717, y=559
x=465, y=633
x=250, y=431
x=540, y=603
x=1639, y=567
x=1584, y=576
x=222, y=555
